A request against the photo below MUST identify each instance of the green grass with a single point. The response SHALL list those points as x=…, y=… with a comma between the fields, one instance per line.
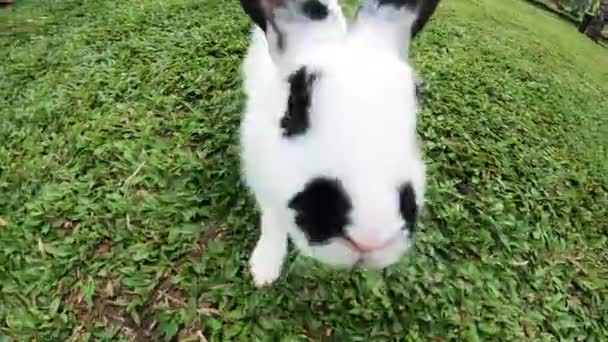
x=122, y=214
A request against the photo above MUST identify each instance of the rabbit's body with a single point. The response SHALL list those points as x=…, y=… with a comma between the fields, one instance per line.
x=328, y=142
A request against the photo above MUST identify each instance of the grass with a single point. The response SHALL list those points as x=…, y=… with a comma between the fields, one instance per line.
x=122, y=214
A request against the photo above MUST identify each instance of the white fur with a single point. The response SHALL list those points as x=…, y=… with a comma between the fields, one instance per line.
x=362, y=131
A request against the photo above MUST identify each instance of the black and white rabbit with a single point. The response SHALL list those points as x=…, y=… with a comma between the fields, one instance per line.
x=328, y=136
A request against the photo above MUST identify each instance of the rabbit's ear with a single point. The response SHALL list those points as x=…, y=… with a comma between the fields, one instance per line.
x=392, y=24
x=259, y=10
x=290, y=25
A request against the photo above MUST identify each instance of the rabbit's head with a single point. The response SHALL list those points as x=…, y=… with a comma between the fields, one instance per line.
x=356, y=180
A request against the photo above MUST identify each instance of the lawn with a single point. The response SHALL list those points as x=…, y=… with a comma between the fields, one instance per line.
x=123, y=216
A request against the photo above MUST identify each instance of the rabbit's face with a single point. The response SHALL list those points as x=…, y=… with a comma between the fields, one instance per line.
x=354, y=183
x=350, y=128
x=351, y=230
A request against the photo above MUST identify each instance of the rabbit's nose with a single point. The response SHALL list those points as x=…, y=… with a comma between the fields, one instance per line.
x=368, y=244
x=365, y=247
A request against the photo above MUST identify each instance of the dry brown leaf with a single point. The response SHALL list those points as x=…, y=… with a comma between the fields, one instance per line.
x=208, y=311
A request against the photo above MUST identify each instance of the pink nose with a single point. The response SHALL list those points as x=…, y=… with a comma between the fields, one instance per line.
x=367, y=245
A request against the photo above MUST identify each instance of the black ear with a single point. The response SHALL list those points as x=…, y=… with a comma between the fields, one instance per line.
x=424, y=10
x=262, y=11
x=394, y=22
x=259, y=10
x=292, y=23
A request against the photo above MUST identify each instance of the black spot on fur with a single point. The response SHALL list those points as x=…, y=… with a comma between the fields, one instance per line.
x=322, y=209
x=315, y=10
x=296, y=119
x=408, y=206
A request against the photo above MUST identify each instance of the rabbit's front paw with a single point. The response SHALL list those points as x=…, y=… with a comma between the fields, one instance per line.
x=265, y=264
x=267, y=257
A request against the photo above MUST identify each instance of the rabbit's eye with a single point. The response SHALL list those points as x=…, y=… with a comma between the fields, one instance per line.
x=296, y=119
x=408, y=206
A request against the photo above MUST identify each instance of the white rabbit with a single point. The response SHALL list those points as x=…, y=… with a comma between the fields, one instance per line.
x=328, y=136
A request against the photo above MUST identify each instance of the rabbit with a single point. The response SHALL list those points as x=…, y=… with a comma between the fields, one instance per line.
x=328, y=143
